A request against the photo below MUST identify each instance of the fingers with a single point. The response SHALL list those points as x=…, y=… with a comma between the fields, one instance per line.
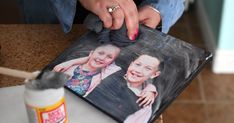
x=99, y=7
x=103, y=13
x=106, y=18
x=63, y=70
x=127, y=11
x=145, y=102
x=117, y=18
x=59, y=69
x=140, y=99
x=113, y=20
x=131, y=17
x=149, y=17
x=145, y=99
x=151, y=103
x=149, y=23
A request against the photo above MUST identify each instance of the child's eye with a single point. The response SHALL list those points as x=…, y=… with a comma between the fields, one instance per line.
x=148, y=68
x=137, y=64
x=100, y=53
x=109, y=57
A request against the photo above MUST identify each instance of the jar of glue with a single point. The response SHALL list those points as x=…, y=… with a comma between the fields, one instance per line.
x=44, y=98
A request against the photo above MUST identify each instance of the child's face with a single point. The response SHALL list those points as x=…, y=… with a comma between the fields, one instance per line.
x=143, y=68
x=103, y=56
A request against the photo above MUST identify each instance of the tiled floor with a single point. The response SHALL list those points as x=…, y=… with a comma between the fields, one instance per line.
x=208, y=99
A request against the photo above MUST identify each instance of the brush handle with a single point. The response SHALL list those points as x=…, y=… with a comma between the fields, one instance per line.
x=17, y=73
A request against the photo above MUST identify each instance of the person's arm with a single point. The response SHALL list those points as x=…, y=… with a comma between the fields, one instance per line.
x=66, y=65
x=140, y=116
x=170, y=11
x=65, y=11
x=110, y=69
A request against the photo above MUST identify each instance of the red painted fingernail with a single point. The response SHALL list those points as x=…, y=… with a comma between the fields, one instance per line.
x=132, y=38
x=136, y=33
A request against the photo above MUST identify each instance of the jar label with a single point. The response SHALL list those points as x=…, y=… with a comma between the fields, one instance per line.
x=50, y=114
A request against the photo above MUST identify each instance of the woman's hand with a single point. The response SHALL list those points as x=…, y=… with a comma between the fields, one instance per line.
x=99, y=7
x=149, y=16
x=127, y=11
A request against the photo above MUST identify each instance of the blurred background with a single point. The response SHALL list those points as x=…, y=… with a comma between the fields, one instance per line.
x=205, y=23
